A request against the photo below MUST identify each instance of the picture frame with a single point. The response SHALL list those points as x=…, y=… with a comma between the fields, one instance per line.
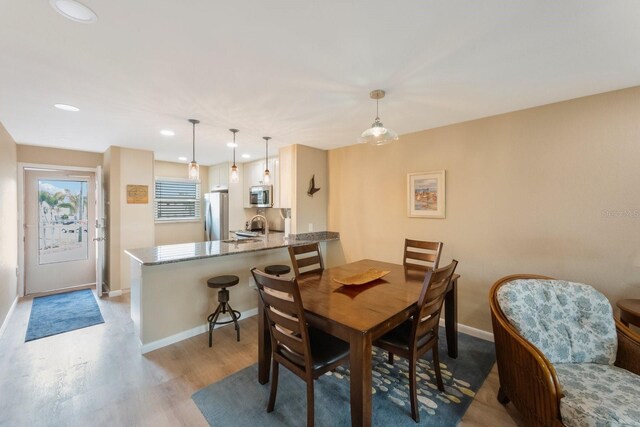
x=426, y=194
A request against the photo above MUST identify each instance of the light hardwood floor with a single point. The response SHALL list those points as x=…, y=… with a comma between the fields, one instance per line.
x=96, y=376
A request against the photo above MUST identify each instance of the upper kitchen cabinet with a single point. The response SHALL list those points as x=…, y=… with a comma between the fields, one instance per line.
x=219, y=176
x=253, y=174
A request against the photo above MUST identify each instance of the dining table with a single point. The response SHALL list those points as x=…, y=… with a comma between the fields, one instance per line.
x=359, y=314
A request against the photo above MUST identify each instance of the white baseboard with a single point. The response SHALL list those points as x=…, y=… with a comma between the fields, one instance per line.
x=474, y=332
x=5, y=322
x=200, y=329
x=114, y=293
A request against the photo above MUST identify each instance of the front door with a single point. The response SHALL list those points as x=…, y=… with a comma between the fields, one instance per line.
x=59, y=230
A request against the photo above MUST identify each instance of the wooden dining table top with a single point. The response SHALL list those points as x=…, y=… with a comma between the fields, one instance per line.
x=360, y=307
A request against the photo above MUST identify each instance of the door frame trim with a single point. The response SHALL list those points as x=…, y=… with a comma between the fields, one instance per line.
x=21, y=198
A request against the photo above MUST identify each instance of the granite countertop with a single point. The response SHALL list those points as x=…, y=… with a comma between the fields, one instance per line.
x=199, y=250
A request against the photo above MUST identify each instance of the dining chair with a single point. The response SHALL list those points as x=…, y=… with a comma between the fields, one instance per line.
x=304, y=350
x=306, y=259
x=419, y=334
x=421, y=255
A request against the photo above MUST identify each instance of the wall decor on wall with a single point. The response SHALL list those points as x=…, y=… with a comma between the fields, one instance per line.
x=312, y=187
x=138, y=194
x=426, y=194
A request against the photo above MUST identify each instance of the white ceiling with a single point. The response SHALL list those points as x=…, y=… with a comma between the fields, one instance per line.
x=297, y=70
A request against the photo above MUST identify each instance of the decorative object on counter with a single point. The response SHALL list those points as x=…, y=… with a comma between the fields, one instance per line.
x=361, y=278
x=277, y=269
x=138, y=194
x=194, y=167
x=222, y=283
x=267, y=177
x=234, y=169
x=426, y=194
x=312, y=187
x=377, y=134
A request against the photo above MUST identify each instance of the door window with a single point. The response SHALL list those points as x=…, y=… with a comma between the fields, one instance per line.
x=62, y=221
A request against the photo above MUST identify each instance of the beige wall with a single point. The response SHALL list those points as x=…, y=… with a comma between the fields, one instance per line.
x=550, y=190
x=169, y=233
x=8, y=223
x=57, y=156
x=310, y=210
x=129, y=226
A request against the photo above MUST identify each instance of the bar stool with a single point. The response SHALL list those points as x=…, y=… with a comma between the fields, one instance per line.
x=222, y=283
x=277, y=270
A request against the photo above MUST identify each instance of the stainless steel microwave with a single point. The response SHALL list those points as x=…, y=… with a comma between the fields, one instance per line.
x=261, y=196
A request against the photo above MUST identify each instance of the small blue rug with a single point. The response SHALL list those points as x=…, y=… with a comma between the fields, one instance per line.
x=55, y=314
x=240, y=400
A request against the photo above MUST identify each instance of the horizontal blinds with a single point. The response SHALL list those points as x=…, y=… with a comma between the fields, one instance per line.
x=177, y=200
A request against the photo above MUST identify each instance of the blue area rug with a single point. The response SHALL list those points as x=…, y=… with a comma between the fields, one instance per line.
x=55, y=314
x=240, y=400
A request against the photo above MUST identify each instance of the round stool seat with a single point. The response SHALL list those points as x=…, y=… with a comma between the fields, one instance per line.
x=276, y=270
x=223, y=281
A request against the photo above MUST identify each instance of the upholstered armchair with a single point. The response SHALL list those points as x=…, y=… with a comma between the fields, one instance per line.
x=562, y=357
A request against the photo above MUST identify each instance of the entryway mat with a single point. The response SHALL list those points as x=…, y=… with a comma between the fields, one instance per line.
x=55, y=314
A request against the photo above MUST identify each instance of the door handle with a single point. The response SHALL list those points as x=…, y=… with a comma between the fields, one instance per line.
x=99, y=239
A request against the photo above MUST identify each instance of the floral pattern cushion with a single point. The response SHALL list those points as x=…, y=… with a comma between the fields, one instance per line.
x=598, y=395
x=568, y=322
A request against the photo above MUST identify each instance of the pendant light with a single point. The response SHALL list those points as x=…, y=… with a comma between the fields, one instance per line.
x=194, y=167
x=267, y=177
x=234, y=169
x=377, y=134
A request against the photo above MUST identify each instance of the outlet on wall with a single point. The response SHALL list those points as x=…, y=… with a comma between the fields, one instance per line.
x=310, y=228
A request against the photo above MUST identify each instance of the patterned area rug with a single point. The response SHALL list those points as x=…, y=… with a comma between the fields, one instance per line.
x=240, y=400
x=55, y=314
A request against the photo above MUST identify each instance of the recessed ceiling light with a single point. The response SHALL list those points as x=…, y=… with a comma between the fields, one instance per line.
x=231, y=144
x=75, y=11
x=66, y=107
x=183, y=159
x=246, y=156
x=167, y=132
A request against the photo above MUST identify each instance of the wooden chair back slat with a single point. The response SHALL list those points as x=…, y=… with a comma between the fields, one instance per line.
x=292, y=342
x=282, y=305
x=306, y=264
x=292, y=324
x=426, y=257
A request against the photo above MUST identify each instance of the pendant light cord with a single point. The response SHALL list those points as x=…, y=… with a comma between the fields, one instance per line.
x=234, y=148
x=377, y=114
x=194, y=143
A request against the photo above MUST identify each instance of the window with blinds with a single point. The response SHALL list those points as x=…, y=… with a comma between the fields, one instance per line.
x=176, y=200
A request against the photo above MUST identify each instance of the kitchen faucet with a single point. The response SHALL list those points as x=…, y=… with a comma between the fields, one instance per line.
x=265, y=222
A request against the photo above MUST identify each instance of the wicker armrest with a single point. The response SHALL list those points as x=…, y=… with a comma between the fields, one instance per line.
x=527, y=378
x=628, y=356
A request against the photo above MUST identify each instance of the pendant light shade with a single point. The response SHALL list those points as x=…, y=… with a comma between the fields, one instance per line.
x=235, y=178
x=267, y=176
x=377, y=134
x=194, y=167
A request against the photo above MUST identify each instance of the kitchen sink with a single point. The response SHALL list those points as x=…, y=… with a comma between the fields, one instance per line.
x=238, y=241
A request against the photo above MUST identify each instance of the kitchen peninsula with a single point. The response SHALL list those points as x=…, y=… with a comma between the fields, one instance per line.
x=170, y=300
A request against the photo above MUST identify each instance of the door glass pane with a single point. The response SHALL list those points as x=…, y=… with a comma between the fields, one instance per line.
x=62, y=221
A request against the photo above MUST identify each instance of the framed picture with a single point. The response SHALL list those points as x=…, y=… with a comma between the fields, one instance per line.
x=426, y=193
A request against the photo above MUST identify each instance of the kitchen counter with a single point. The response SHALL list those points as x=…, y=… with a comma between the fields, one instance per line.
x=170, y=299
x=200, y=250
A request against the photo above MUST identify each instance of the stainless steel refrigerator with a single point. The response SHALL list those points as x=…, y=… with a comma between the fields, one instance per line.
x=216, y=215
